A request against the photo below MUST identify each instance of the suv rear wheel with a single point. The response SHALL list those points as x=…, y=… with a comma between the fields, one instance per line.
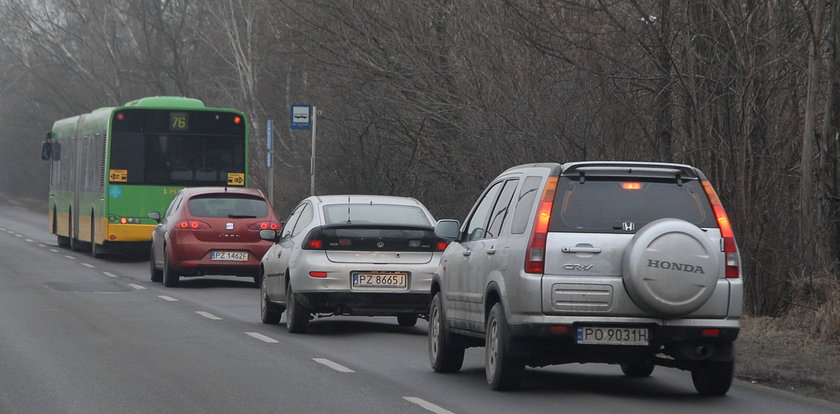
x=407, y=319
x=444, y=358
x=503, y=371
x=638, y=369
x=713, y=377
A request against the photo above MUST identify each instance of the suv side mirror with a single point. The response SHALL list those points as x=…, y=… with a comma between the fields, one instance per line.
x=154, y=215
x=448, y=229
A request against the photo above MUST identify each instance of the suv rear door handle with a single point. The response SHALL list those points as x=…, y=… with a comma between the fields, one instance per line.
x=576, y=249
x=491, y=251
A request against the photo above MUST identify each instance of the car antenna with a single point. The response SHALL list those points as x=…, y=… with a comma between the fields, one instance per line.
x=348, y=208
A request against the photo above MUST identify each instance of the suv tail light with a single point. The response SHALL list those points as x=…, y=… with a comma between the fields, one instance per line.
x=192, y=225
x=730, y=248
x=535, y=254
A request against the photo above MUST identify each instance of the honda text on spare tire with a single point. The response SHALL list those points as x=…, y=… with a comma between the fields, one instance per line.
x=625, y=263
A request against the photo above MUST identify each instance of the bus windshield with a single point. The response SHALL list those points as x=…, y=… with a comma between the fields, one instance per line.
x=178, y=148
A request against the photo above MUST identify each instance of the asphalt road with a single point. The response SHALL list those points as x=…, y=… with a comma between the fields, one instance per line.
x=85, y=335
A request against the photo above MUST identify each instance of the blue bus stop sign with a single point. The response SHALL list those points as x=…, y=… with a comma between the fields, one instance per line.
x=301, y=117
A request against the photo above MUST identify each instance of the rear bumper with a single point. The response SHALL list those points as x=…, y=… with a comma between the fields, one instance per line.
x=365, y=303
x=546, y=344
x=194, y=259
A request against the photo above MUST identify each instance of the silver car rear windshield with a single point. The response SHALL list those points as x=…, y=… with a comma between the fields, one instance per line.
x=617, y=205
x=375, y=214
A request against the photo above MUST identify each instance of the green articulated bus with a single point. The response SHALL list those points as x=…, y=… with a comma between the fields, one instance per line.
x=109, y=168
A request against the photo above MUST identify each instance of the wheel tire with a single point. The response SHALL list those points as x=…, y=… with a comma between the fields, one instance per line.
x=62, y=241
x=74, y=244
x=94, y=251
x=297, y=316
x=270, y=313
x=407, y=319
x=713, y=377
x=170, y=277
x=442, y=357
x=155, y=274
x=638, y=369
x=503, y=371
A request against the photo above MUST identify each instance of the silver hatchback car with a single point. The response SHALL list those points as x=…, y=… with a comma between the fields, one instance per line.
x=612, y=262
x=350, y=255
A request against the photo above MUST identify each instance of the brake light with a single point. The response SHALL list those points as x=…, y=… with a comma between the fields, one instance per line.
x=265, y=225
x=730, y=248
x=192, y=225
x=314, y=244
x=631, y=186
x=535, y=254
x=441, y=246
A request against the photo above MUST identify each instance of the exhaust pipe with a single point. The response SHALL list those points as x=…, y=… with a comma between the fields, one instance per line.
x=697, y=352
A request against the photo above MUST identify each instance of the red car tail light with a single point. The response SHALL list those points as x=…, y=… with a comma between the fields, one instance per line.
x=730, y=248
x=318, y=274
x=192, y=225
x=265, y=225
x=441, y=246
x=535, y=254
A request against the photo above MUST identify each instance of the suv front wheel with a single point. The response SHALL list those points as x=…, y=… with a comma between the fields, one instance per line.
x=504, y=372
x=444, y=358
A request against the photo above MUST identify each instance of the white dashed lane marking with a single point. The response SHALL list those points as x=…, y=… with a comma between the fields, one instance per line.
x=208, y=315
x=88, y=265
x=427, y=405
x=54, y=250
x=334, y=365
x=136, y=286
x=262, y=337
x=168, y=298
x=30, y=241
x=69, y=257
x=109, y=274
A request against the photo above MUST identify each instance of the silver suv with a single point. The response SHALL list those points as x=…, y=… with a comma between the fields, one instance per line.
x=613, y=262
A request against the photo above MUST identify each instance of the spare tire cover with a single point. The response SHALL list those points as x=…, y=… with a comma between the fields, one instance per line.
x=671, y=267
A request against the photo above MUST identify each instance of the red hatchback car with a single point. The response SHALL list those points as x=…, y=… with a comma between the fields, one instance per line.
x=211, y=230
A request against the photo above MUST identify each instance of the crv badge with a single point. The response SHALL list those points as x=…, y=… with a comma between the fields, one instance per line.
x=578, y=267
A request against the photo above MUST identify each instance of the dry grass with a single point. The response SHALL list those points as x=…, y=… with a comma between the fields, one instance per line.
x=787, y=353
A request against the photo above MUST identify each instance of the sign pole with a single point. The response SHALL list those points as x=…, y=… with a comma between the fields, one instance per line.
x=312, y=161
x=269, y=136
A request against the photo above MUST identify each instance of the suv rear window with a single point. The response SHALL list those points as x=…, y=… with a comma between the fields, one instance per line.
x=624, y=205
